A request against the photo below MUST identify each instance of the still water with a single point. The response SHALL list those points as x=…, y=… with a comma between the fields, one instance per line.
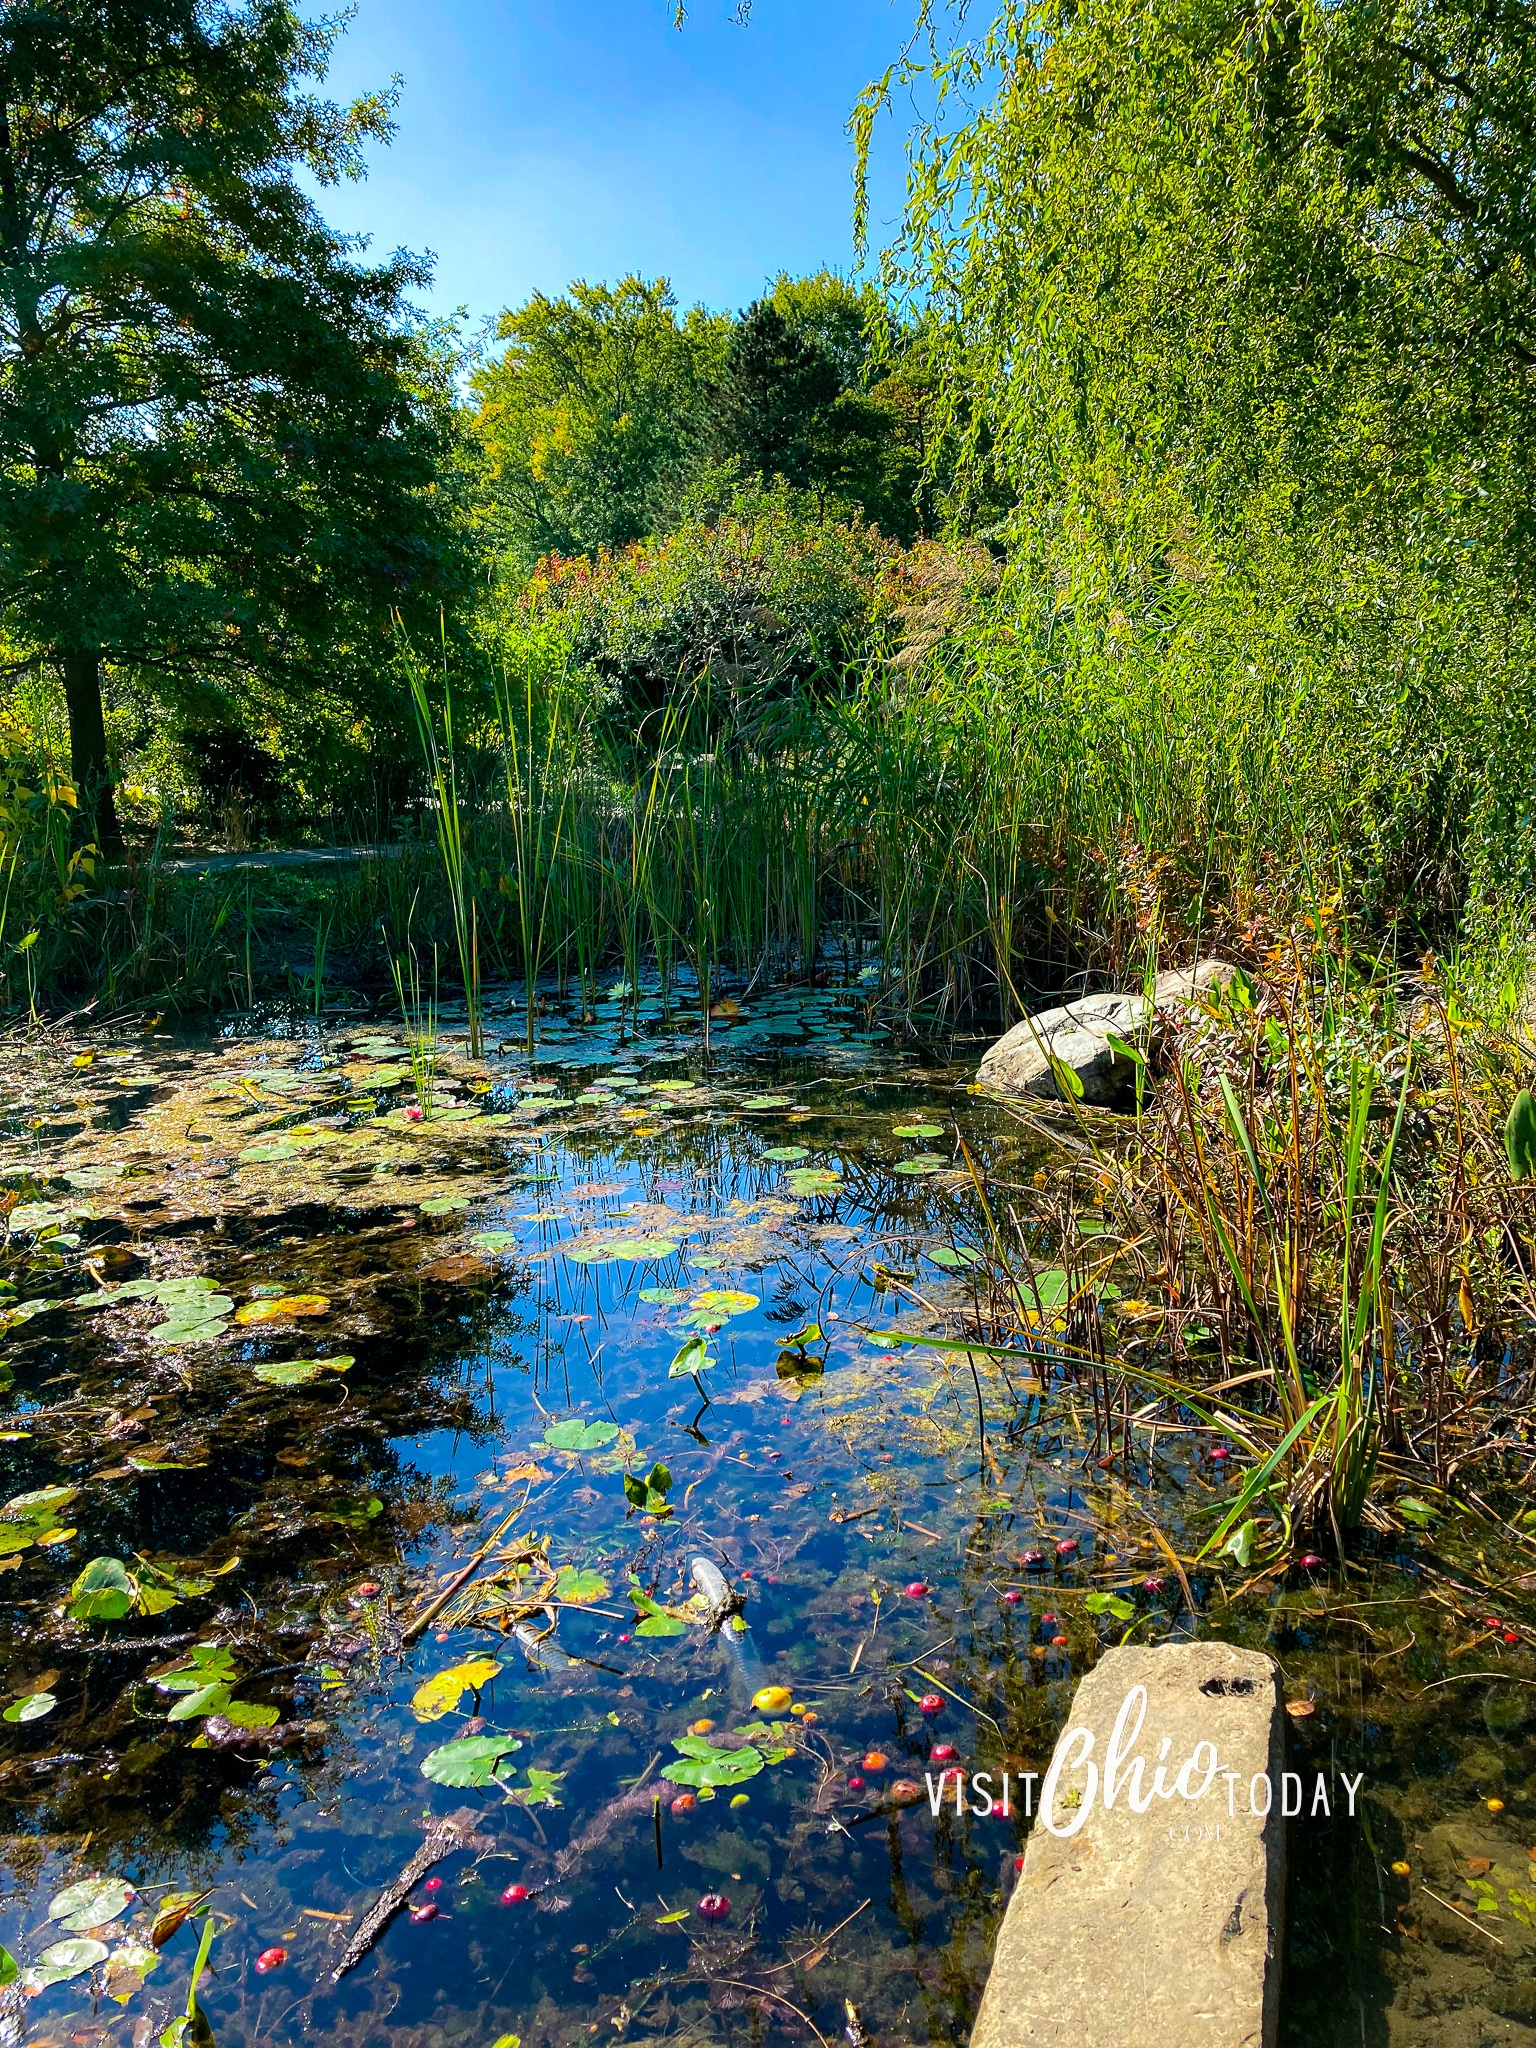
x=303, y=1327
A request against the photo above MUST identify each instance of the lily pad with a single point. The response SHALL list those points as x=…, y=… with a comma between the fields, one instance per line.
x=442, y=1205
x=285, y=1305
x=440, y=1694
x=267, y=1155
x=920, y=1164
x=578, y=1585
x=297, y=1372
x=32, y=1708
x=954, y=1260
x=575, y=1435
x=766, y=1102
x=814, y=1180
x=91, y=1903
x=919, y=1131
x=724, y=1301
x=663, y=1297
x=471, y=1761
x=786, y=1155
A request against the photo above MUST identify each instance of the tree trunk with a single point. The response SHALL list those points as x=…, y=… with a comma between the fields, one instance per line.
x=88, y=747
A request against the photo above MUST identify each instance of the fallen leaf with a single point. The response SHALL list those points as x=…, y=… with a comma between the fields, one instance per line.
x=285, y=1305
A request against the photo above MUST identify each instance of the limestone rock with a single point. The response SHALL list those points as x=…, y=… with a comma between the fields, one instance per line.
x=1074, y=1035
x=1159, y=1929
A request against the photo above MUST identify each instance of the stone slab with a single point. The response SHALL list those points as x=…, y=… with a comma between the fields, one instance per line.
x=1159, y=1929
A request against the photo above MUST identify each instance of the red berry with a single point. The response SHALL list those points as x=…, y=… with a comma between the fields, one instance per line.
x=917, y=1590
x=1066, y=1548
x=514, y=1895
x=855, y=1784
x=1510, y=1636
x=944, y=1752
x=433, y=1884
x=931, y=1703
x=271, y=1959
x=1310, y=1562
x=1011, y=1598
x=1047, y=1617
x=685, y=1802
x=1218, y=1452
x=1058, y=1641
x=1018, y=1862
x=714, y=1906
x=421, y=1914
x=1153, y=1585
x=369, y=1590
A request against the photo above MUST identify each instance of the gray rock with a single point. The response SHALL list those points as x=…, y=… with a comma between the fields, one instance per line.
x=1158, y=1929
x=1025, y=1060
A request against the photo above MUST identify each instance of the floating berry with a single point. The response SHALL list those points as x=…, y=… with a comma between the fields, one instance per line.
x=905, y=1793
x=931, y=1703
x=1494, y=1805
x=1058, y=1641
x=1510, y=1636
x=684, y=1803
x=855, y=1784
x=714, y=1906
x=700, y=1727
x=944, y=1752
x=1066, y=1547
x=369, y=1590
x=771, y=1699
x=917, y=1590
x=1218, y=1452
x=1310, y=1562
x=1048, y=1619
x=875, y=1760
x=625, y=1637
x=1401, y=1869
x=1153, y=1585
x=422, y=1914
x=1018, y=1862
x=1032, y=1560
x=952, y=1774
x=1010, y=1598
x=514, y=1895
x=270, y=1959
x=433, y=1884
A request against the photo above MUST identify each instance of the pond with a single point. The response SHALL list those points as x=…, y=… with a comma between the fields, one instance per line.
x=391, y=1434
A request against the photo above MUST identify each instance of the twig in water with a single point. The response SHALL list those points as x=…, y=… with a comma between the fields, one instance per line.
x=423, y=1620
x=1460, y=1915
x=458, y=1831
x=823, y=1942
x=758, y=1992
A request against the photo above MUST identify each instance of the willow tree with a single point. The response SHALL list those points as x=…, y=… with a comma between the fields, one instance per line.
x=217, y=437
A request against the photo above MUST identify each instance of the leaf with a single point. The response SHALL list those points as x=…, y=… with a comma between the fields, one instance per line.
x=694, y=1358
x=250, y=1714
x=718, y=1767
x=1239, y=1545
x=766, y=1102
x=10, y=1969
x=1520, y=1136
x=1111, y=1603
x=39, y=1508
x=574, y=1584
x=267, y=1155
x=663, y=1297
x=541, y=1788
x=297, y=1372
x=171, y=1914
x=439, y=1695
x=208, y=1699
x=102, y=1592
x=657, y=1621
x=786, y=1155
x=575, y=1435
x=472, y=1761
x=921, y=1164
x=954, y=1259
x=814, y=1180
x=188, y=1332
x=641, y=1247
x=724, y=1301
x=1417, y=1511
x=203, y=1663
x=495, y=1240
x=672, y=1919
x=442, y=1205
x=71, y=1957
x=285, y=1305
x=91, y=1903
x=32, y=1708
x=918, y=1131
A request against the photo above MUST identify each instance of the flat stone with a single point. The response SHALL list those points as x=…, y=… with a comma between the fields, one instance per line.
x=1159, y=1929
x=1027, y=1059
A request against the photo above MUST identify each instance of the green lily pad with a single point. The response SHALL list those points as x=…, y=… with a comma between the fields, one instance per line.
x=786, y=1154
x=641, y=1247
x=766, y=1102
x=814, y=1180
x=297, y=1372
x=91, y=1903
x=919, y=1131
x=267, y=1155
x=575, y=1435
x=472, y=1761
x=32, y=1708
x=663, y=1297
x=922, y=1163
x=442, y=1205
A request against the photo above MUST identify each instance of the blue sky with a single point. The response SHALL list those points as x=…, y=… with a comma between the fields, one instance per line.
x=544, y=140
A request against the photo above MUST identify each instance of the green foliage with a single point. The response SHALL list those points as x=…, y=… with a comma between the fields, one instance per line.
x=585, y=423
x=218, y=432
x=1520, y=1136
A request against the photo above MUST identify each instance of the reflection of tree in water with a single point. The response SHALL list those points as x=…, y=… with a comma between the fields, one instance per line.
x=285, y=1499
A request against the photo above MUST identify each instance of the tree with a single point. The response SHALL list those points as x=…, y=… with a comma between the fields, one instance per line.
x=588, y=420
x=1195, y=264
x=219, y=432
x=772, y=408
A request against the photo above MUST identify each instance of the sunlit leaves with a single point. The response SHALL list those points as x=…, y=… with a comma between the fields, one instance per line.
x=654, y=1618
x=577, y=1585
x=91, y=1903
x=282, y=1308
x=649, y=1493
x=440, y=1694
x=694, y=1357
x=298, y=1372
x=703, y=1763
